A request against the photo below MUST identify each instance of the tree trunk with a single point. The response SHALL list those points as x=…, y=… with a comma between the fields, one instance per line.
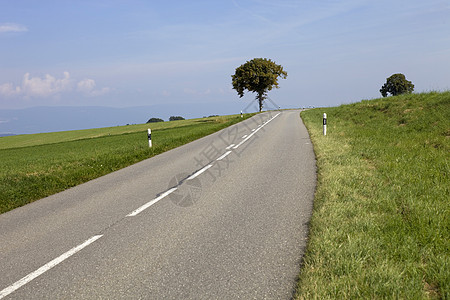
x=260, y=98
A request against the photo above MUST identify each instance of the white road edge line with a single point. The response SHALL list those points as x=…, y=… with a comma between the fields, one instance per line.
x=199, y=172
x=223, y=156
x=227, y=148
x=5, y=292
x=254, y=132
x=148, y=204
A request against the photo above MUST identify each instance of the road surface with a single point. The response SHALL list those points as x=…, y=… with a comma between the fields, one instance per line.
x=223, y=217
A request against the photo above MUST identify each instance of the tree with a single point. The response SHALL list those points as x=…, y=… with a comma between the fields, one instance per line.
x=155, y=120
x=396, y=85
x=259, y=75
x=173, y=118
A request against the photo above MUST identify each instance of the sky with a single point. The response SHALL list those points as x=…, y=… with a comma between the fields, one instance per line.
x=127, y=53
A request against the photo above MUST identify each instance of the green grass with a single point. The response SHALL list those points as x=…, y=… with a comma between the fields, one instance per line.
x=39, y=165
x=381, y=221
x=66, y=136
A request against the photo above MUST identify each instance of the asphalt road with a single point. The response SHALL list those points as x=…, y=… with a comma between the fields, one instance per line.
x=224, y=217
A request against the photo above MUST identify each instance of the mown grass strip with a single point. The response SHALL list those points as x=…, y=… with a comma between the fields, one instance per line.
x=28, y=173
x=381, y=221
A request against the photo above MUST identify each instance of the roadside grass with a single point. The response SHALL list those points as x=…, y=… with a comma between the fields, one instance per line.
x=381, y=221
x=36, y=166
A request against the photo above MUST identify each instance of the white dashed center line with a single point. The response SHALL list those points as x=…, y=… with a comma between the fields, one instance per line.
x=5, y=292
x=148, y=204
x=199, y=172
x=254, y=131
x=223, y=156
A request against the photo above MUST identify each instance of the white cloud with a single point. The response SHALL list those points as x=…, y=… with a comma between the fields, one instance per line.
x=7, y=89
x=87, y=87
x=50, y=86
x=11, y=27
x=166, y=93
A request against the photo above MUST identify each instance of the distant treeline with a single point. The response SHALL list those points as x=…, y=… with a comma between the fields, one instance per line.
x=172, y=118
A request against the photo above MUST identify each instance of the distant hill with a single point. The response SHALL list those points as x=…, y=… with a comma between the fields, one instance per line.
x=51, y=119
x=6, y=134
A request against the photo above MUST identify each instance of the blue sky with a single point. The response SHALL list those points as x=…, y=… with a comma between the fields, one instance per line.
x=123, y=53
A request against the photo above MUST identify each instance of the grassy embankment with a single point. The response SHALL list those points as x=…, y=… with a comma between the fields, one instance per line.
x=38, y=165
x=381, y=221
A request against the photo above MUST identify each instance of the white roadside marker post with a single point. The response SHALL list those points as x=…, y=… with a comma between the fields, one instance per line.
x=149, y=134
x=324, y=124
x=242, y=114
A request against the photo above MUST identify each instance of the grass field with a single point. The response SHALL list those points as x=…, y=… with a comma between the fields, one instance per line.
x=381, y=222
x=38, y=165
